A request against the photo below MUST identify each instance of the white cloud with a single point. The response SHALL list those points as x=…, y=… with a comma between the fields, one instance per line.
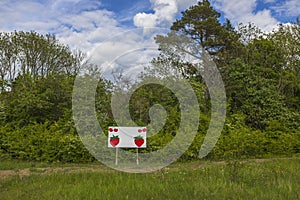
x=145, y=20
x=85, y=30
x=40, y=26
x=238, y=11
x=269, y=1
x=73, y=6
x=243, y=11
x=164, y=13
x=78, y=23
x=185, y=4
x=289, y=8
x=263, y=19
x=14, y=14
x=129, y=51
x=81, y=26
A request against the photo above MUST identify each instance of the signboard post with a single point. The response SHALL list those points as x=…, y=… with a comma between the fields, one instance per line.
x=127, y=137
x=116, y=156
x=137, y=156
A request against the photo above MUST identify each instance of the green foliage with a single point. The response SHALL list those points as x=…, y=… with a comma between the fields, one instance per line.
x=200, y=22
x=251, y=92
x=287, y=39
x=239, y=141
x=31, y=101
x=2, y=112
x=42, y=142
x=35, y=54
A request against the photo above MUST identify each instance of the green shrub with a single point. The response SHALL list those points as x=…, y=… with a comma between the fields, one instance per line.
x=41, y=142
x=50, y=143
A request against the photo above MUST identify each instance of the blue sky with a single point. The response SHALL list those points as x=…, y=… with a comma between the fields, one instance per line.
x=87, y=25
x=82, y=23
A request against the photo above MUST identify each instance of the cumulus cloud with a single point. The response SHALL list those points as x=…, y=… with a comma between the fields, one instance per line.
x=164, y=14
x=129, y=51
x=145, y=20
x=238, y=11
x=243, y=11
x=80, y=24
x=85, y=30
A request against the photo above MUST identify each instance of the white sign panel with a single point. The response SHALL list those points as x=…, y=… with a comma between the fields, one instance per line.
x=127, y=137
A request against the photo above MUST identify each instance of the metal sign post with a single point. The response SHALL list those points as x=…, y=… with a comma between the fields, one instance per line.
x=117, y=156
x=137, y=156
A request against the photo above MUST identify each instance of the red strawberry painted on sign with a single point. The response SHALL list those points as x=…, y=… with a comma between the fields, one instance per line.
x=114, y=140
x=139, y=141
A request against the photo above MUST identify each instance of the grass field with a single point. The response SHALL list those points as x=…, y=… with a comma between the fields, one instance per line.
x=254, y=179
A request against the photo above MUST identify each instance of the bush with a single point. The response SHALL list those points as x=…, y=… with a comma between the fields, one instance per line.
x=49, y=143
x=247, y=143
x=41, y=142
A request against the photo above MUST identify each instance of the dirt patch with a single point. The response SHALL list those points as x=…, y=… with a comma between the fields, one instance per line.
x=20, y=173
x=48, y=170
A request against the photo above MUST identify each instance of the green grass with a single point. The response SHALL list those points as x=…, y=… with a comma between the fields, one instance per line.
x=6, y=164
x=276, y=179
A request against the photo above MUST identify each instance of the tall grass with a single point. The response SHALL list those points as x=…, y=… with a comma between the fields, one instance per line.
x=277, y=179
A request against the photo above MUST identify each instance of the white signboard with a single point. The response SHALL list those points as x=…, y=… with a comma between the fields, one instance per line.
x=127, y=137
